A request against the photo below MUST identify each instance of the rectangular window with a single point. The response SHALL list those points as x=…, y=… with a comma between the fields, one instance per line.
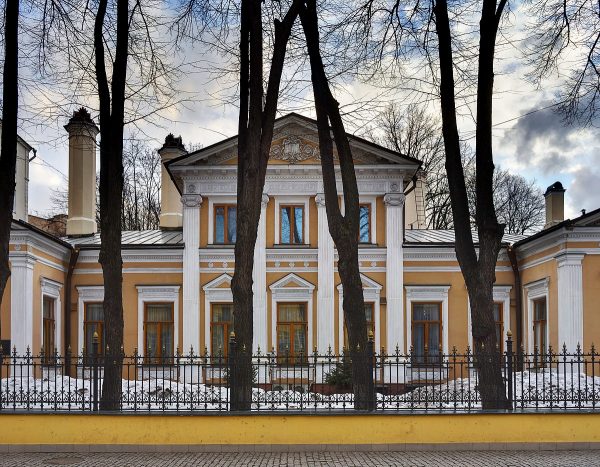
x=540, y=325
x=49, y=329
x=364, y=223
x=221, y=324
x=370, y=316
x=93, y=323
x=426, y=333
x=499, y=323
x=225, y=223
x=292, y=224
x=158, y=327
x=292, y=331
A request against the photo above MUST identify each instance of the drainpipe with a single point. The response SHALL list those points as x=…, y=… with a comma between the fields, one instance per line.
x=67, y=310
x=512, y=255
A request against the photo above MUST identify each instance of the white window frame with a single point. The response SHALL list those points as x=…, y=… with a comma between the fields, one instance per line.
x=429, y=294
x=86, y=293
x=302, y=292
x=296, y=200
x=51, y=289
x=501, y=294
x=157, y=294
x=533, y=291
x=212, y=200
x=371, y=294
x=372, y=201
x=214, y=292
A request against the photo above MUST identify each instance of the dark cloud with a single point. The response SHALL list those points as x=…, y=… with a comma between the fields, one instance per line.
x=543, y=129
x=583, y=191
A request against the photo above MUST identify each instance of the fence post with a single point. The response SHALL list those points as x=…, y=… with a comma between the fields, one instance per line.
x=95, y=375
x=509, y=368
x=370, y=357
x=231, y=356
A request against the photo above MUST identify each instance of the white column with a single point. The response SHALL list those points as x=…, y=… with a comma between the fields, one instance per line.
x=394, y=223
x=570, y=300
x=259, y=279
x=191, y=272
x=325, y=290
x=21, y=301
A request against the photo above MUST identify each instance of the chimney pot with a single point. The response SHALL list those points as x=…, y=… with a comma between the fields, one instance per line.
x=82, y=174
x=171, y=217
x=555, y=204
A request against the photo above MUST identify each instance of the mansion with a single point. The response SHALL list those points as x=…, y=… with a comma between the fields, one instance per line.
x=176, y=280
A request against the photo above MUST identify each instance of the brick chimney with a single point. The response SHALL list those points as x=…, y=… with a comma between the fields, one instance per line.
x=555, y=204
x=170, y=200
x=82, y=131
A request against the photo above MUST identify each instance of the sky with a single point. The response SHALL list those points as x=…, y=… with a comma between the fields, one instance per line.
x=529, y=137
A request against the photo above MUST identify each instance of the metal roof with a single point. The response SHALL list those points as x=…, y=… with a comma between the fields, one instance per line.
x=447, y=236
x=133, y=238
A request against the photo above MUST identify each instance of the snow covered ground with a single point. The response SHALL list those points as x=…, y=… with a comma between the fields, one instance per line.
x=541, y=389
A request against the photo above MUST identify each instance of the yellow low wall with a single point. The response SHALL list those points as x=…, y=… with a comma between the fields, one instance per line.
x=298, y=429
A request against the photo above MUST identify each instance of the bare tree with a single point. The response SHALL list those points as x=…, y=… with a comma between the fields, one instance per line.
x=452, y=48
x=141, y=188
x=519, y=203
x=8, y=149
x=343, y=228
x=566, y=40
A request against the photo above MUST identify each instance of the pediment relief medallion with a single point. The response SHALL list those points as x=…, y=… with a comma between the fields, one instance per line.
x=294, y=149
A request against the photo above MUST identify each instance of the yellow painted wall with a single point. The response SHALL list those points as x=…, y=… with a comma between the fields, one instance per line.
x=101, y=429
x=591, y=301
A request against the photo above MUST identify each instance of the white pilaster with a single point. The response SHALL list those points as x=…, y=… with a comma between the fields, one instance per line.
x=21, y=301
x=325, y=289
x=259, y=279
x=394, y=222
x=570, y=300
x=191, y=272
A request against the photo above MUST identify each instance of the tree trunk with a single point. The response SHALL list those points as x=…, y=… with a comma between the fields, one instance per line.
x=255, y=134
x=111, y=196
x=478, y=272
x=344, y=229
x=8, y=150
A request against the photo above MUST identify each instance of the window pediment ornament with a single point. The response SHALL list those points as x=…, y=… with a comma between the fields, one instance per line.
x=293, y=150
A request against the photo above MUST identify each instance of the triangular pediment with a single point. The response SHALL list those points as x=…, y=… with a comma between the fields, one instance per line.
x=293, y=282
x=221, y=282
x=367, y=283
x=295, y=141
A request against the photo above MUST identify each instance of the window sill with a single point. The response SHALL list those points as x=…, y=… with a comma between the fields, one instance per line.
x=291, y=245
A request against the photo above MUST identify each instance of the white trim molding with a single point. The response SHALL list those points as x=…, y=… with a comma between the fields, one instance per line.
x=295, y=200
x=427, y=293
x=157, y=294
x=532, y=291
x=501, y=293
x=50, y=288
x=292, y=288
x=570, y=300
x=215, y=292
x=21, y=300
x=191, y=270
x=394, y=228
x=85, y=294
x=371, y=294
x=326, y=281
x=259, y=280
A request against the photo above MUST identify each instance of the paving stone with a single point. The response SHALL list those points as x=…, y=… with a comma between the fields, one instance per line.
x=466, y=458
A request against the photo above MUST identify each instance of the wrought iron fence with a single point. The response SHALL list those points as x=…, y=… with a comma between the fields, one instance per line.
x=317, y=383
